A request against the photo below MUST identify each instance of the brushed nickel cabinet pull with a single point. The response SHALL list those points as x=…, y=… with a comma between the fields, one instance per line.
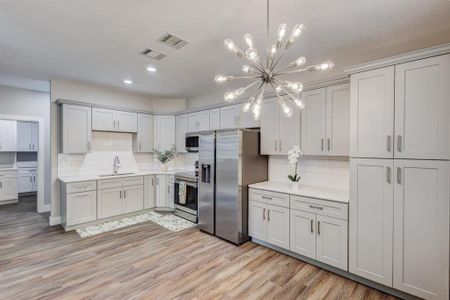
x=329, y=144
x=267, y=198
x=321, y=144
x=280, y=144
x=318, y=227
x=388, y=174
x=268, y=215
x=388, y=143
x=399, y=143
x=315, y=207
x=312, y=226
x=1, y=184
x=399, y=175
x=276, y=142
x=114, y=124
x=264, y=214
x=31, y=180
x=152, y=181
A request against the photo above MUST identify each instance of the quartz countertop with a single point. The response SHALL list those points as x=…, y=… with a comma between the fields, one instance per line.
x=78, y=178
x=319, y=192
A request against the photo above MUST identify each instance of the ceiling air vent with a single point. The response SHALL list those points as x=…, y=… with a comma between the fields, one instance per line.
x=153, y=54
x=172, y=41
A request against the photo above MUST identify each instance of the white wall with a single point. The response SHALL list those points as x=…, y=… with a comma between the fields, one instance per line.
x=18, y=101
x=205, y=100
x=97, y=95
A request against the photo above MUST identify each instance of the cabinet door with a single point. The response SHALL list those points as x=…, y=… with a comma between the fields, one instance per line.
x=133, y=198
x=145, y=133
x=269, y=127
x=214, y=119
x=422, y=109
x=109, y=202
x=421, y=228
x=81, y=208
x=182, y=128
x=161, y=191
x=246, y=119
x=338, y=120
x=371, y=219
x=103, y=119
x=8, y=189
x=165, y=132
x=332, y=242
x=203, y=120
x=372, y=113
x=126, y=121
x=303, y=233
x=24, y=138
x=35, y=136
x=25, y=182
x=171, y=191
x=149, y=191
x=229, y=117
x=193, y=122
x=8, y=135
x=289, y=131
x=257, y=223
x=278, y=226
x=76, y=129
x=313, y=123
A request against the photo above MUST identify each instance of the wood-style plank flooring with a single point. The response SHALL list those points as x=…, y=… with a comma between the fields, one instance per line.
x=146, y=261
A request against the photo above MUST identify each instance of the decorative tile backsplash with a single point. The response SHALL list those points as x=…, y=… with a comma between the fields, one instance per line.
x=106, y=146
x=317, y=172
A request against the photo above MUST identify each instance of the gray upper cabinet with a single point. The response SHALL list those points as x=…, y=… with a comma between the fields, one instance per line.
x=114, y=120
x=27, y=136
x=143, y=140
x=214, y=119
x=76, y=128
x=8, y=135
x=181, y=123
x=198, y=121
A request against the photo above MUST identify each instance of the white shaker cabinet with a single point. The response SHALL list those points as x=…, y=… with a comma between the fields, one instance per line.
x=171, y=191
x=313, y=122
x=143, y=140
x=8, y=135
x=180, y=133
x=26, y=181
x=8, y=186
x=214, y=119
x=303, y=233
x=371, y=219
x=422, y=109
x=133, y=198
x=81, y=208
x=149, y=191
x=257, y=220
x=164, y=132
x=109, y=202
x=372, y=113
x=233, y=117
x=421, y=228
x=27, y=136
x=278, y=132
x=76, y=128
x=161, y=193
x=198, y=121
x=114, y=120
x=331, y=247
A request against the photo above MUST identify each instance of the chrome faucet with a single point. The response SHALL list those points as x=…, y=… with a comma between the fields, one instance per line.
x=116, y=165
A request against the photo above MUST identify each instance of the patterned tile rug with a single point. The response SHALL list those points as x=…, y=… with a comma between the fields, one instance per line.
x=169, y=221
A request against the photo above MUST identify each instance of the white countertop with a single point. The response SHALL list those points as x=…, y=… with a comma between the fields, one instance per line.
x=78, y=178
x=318, y=192
x=8, y=169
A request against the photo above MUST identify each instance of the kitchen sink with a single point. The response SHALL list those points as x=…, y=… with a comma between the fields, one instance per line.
x=118, y=174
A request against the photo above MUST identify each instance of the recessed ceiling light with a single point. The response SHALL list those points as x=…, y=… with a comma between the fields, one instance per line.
x=151, y=69
x=128, y=81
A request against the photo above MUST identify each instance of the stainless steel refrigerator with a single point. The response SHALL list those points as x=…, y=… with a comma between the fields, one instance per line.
x=229, y=161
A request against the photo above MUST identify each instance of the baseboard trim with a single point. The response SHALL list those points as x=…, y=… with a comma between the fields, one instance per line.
x=377, y=286
x=54, y=220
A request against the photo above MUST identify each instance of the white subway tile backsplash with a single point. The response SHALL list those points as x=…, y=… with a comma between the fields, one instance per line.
x=317, y=172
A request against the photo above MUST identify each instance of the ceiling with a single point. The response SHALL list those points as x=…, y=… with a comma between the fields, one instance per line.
x=98, y=40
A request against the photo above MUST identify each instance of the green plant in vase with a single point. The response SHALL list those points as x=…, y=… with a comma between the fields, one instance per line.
x=165, y=156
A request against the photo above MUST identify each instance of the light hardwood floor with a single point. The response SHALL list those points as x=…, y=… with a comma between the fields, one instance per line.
x=146, y=261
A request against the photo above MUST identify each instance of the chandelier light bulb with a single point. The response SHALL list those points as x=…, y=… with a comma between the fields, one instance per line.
x=278, y=89
x=248, y=39
x=222, y=78
x=286, y=109
x=231, y=46
x=325, y=65
x=296, y=87
x=299, y=103
x=252, y=54
x=298, y=29
x=298, y=62
x=248, y=69
x=281, y=31
x=256, y=111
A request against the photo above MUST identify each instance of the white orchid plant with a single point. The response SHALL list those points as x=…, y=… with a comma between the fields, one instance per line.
x=293, y=157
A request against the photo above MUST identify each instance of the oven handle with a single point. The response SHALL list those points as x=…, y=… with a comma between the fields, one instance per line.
x=188, y=183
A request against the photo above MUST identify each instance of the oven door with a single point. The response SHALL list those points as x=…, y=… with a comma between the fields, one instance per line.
x=191, y=143
x=188, y=203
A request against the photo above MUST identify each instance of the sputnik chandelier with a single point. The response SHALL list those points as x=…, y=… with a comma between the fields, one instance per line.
x=268, y=76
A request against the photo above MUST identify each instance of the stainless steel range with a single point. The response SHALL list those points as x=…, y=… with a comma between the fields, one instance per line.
x=186, y=195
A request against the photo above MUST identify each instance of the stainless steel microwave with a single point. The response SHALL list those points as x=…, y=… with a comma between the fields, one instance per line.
x=191, y=142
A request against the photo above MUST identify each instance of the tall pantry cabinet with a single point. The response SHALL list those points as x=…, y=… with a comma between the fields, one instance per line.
x=400, y=176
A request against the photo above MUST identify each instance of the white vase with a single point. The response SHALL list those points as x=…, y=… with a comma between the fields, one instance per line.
x=163, y=168
x=295, y=185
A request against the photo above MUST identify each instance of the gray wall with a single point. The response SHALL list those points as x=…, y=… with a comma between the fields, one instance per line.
x=17, y=101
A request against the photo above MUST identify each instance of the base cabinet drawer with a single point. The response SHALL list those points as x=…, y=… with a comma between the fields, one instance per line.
x=83, y=186
x=109, y=202
x=138, y=180
x=268, y=197
x=321, y=207
x=81, y=208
